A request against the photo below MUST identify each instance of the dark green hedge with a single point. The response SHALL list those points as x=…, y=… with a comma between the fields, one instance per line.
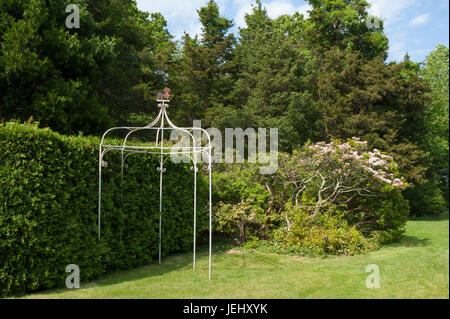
x=48, y=209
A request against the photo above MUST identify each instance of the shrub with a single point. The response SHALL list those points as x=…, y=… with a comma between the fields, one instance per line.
x=48, y=209
x=339, y=190
x=326, y=233
x=241, y=201
x=427, y=199
x=366, y=184
x=235, y=220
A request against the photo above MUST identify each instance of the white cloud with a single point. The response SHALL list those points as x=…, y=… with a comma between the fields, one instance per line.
x=239, y=19
x=419, y=20
x=278, y=8
x=181, y=15
x=397, y=46
x=396, y=14
x=304, y=10
x=389, y=10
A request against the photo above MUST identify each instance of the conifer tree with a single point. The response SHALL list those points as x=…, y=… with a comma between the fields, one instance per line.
x=203, y=76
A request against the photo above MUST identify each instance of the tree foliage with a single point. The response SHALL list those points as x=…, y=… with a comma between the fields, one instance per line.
x=82, y=79
x=435, y=72
x=343, y=24
x=203, y=76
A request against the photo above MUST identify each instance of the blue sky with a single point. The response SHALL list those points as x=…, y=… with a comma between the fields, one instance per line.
x=413, y=26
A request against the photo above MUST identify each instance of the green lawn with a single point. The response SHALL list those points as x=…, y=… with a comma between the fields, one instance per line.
x=416, y=267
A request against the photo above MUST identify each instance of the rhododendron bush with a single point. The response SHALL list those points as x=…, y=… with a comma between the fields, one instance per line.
x=340, y=173
x=346, y=182
x=338, y=197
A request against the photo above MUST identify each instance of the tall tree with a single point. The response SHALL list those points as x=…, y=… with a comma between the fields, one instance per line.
x=203, y=76
x=144, y=51
x=343, y=24
x=270, y=90
x=435, y=72
x=383, y=104
x=80, y=79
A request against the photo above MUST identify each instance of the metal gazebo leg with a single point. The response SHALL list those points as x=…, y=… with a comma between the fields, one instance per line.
x=210, y=214
x=100, y=159
x=161, y=170
x=195, y=205
x=160, y=208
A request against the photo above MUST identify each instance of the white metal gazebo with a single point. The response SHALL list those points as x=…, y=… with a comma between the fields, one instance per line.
x=193, y=151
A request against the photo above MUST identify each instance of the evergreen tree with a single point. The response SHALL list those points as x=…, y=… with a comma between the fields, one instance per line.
x=376, y=102
x=270, y=89
x=81, y=79
x=203, y=76
x=343, y=24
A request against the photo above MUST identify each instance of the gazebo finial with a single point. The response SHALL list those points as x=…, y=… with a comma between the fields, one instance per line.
x=164, y=96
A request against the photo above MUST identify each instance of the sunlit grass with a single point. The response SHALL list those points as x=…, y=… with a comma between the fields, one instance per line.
x=415, y=267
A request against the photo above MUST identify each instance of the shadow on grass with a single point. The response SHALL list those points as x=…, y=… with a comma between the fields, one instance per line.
x=411, y=241
x=430, y=218
x=173, y=262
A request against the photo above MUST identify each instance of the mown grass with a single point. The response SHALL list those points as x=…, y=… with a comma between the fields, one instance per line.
x=415, y=267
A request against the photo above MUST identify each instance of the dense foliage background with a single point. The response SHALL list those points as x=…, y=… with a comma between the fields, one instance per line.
x=320, y=79
x=314, y=78
x=48, y=209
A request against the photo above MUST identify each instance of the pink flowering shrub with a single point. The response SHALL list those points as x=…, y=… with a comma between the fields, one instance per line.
x=333, y=198
x=363, y=185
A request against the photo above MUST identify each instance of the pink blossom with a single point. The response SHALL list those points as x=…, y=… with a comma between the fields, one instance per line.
x=381, y=178
x=380, y=163
x=397, y=182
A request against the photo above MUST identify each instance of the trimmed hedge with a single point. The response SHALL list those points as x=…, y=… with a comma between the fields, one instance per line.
x=48, y=209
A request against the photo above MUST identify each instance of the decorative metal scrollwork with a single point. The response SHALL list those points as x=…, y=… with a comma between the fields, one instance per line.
x=194, y=167
x=104, y=164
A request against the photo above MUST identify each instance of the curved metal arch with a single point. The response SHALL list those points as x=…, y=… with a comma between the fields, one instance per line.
x=114, y=129
x=161, y=129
